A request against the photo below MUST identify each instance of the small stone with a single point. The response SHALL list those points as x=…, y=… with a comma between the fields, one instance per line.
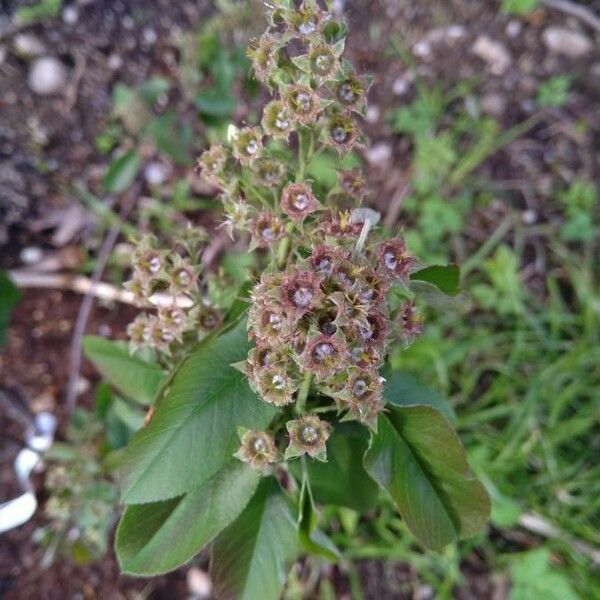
x=115, y=62
x=47, y=76
x=31, y=255
x=373, y=114
x=513, y=28
x=199, y=583
x=422, y=49
x=27, y=45
x=402, y=84
x=155, y=173
x=494, y=53
x=567, y=42
x=70, y=15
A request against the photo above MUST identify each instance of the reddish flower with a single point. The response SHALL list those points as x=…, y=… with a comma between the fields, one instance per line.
x=298, y=201
x=395, y=260
x=267, y=229
x=308, y=435
x=324, y=356
x=411, y=322
x=340, y=226
x=300, y=292
x=324, y=259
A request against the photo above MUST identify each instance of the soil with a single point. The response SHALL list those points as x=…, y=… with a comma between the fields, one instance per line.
x=47, y=143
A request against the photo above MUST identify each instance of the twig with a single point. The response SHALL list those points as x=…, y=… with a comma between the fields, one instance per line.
x=88, y=302
x=575, y=10
x=25, y=278
x=395, y=206
x=540, y=526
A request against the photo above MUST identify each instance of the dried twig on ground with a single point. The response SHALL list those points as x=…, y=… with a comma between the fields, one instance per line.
x=575, y=10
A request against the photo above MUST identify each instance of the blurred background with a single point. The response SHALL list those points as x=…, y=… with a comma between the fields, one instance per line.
x=484, y=129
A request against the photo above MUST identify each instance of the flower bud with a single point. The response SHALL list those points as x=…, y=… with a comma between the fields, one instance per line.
x=237, y=213
x=247, y=145
x=183, y=278
x=306, y=21
x=138, y=332
x=373, y=330
x=395, y=261
x=207, y=317
x=269, y=322
x=257, y=448
x=308, y=435
x=298, y=201
x=411, y=322
x=353, y=183
x=161, y=337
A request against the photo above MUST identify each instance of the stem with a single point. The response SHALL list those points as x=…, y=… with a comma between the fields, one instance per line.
x=282, y=252
x=305, y=152
x=303, y=393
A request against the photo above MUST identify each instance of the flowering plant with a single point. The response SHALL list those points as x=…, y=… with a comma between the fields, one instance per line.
x=278, y=399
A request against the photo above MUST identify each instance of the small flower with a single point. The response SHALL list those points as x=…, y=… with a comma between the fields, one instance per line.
x=364, y=356
x=173, y=318
x=324, y=259
x=373, y=330
x=372, y=288
x=303, y=103
x=237, y=214
x=274, y=385
x=300, y=292
x=148, y=263
x=298, y=201
x=161, y=337
x=257, y=448
x=350, y=93
x=362, y=388
x=212, y=163
x=340, y=225
x=269, y=322
x=263, y=54
x=270, y=172
x=277, y=120
x=139, y=332
x=182, y=277
x=266, y=230
x=308, y=435
x=353, y=183
x=341, y=132
x=321, y=63
x=411, y=322
x=247, y=145
x=262, y=356
x=395, y=260
x=324, y=356
x=305, y=21
x=207, y=317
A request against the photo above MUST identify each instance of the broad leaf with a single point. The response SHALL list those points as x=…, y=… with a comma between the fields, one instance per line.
x=402, y=389
x=417, y=457
x=444, y=277
x=342, y=480
x=133, y=377
x=252, y=557
x=158, y=537
x=122, y=172
x=193, y=432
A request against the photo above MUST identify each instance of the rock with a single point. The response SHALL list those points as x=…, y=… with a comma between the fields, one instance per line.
x=373, y=114
x=567, y=42
x=494, y=53
x=47, y=76
x=27, y=45
x=199, y=583
x=513, y=28
x=402, y=84
x=70, y=15
x=156, y=173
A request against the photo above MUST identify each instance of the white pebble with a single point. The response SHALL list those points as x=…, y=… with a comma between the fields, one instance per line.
x=47, y=76
x=70, y=15
x=31, y=255
x=199, y=583
x=493, y=53
x=156, y=173
x=567, y=42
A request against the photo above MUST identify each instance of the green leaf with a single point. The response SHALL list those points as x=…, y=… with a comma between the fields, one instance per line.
x=122, y=172
x=133, y=377
x=417, y=457
x=444, y=277
x=342, y=480
x=403, y=389
x=158, y=537
x=252, y=557
x=9, y=297
x=193, y=432
x=216, y=103
x=533, y=577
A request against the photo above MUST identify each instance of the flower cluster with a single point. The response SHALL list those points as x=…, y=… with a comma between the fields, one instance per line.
x=327, y=317
x=319, y=317
x=169, y=282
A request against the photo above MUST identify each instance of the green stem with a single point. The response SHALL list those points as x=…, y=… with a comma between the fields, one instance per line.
x=306, y=148
x=303, y=393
